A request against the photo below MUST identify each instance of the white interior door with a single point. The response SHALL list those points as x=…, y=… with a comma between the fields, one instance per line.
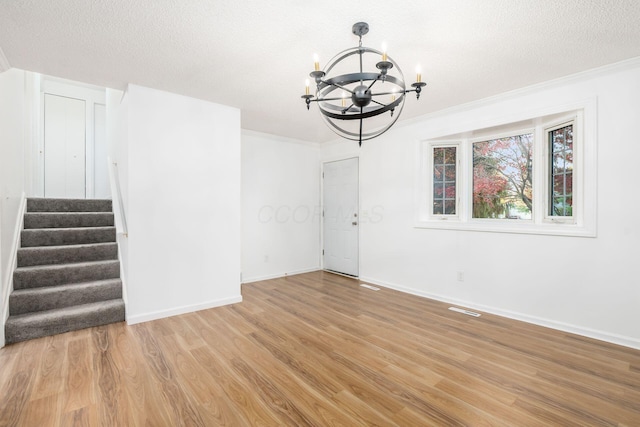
x=64, y=147
x=341, y=221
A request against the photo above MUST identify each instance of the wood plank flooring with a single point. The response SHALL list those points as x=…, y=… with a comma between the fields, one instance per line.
x=319, y=350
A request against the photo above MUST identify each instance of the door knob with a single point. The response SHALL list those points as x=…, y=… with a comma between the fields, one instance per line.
x=354, y=223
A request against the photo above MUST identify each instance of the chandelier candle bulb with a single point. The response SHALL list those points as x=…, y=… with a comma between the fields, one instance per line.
x=384, y=51
x=418, y=74
x=306, y=87
x=316, y=62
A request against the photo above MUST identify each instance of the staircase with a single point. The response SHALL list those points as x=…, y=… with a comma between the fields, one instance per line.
x=68, y=274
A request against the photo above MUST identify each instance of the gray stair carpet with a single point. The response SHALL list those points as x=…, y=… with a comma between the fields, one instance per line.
x=40, y=255
x=69, y=205
x=68, y=273
x=67, y=236
x=67, y=219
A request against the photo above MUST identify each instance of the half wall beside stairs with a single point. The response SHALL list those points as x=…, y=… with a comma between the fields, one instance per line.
x=68, y=274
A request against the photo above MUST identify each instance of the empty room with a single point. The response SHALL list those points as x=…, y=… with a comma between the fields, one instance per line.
x=218, y=213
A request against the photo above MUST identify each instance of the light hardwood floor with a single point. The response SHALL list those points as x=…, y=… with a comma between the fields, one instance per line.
x=317, y=349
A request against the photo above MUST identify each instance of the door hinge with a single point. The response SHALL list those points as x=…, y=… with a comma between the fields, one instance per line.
x=323, y=252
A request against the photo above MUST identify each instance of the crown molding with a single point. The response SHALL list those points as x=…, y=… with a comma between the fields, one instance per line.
x=4, y=62
x=628, y=64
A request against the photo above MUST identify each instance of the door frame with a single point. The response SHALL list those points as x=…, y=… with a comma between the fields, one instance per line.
x=324, y=162
x=92, y=95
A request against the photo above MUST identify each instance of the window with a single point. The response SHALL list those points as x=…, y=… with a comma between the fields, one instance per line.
x=535, y=176
x=561, y=171
x=444, y=180
x=502, y=177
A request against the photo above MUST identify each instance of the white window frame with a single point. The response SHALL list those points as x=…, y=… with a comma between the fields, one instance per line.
x=583, y=222
x=576, y=177
x=430, y=167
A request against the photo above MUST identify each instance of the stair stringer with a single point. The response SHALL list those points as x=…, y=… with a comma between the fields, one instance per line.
x=7, y=284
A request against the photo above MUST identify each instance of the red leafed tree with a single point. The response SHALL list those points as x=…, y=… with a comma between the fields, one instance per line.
x=488, y=191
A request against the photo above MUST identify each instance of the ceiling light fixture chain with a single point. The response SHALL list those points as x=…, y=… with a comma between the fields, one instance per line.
x=363, y=103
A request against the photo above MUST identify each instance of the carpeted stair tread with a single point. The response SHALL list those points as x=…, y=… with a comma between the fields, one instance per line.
x=43, y=323
x=52, y=297
x=67, y=219
x=67, y=236
x=42, y=255
x=68, y=205
x=58, y=274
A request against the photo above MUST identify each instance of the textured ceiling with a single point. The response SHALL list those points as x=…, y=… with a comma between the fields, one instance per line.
x=256, y=54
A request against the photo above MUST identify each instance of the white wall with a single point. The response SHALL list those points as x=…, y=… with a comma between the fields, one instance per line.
x=592, y=289
x=280, y=206
x=12, y=177
x=100, y=153
x=183, y=204
x=116, y=133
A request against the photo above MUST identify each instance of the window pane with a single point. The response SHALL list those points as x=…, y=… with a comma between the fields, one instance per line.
x=438, y=207
x=450, y=172
x=438, y=191
x=502, y=177
x=562, y=206
x=438, y=173
x=561, y=170
x=449, y=155
x=558, y=185
x=558, y=162
x=438, y=156
x=444, y=180
x=450, y=190
x=450, y=207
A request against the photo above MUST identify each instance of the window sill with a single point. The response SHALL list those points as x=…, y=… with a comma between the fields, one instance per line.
x=547, y=229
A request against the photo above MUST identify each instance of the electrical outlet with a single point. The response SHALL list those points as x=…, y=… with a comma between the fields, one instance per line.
x=460, y=276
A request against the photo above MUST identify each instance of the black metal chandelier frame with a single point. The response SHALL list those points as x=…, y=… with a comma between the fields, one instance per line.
x=364, y=103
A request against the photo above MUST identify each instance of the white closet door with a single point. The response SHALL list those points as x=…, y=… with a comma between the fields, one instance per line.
x=64, y=147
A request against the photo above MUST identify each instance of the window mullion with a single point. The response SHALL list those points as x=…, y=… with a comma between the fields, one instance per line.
x=466, y=184
x=540, y=170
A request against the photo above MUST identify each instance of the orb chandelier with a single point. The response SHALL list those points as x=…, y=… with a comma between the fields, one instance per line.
x=346, y=98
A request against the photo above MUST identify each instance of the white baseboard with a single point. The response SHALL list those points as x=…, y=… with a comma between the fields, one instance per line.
x=146, y=317
x=561, y=326
x=7, y=286
x=279, y=275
